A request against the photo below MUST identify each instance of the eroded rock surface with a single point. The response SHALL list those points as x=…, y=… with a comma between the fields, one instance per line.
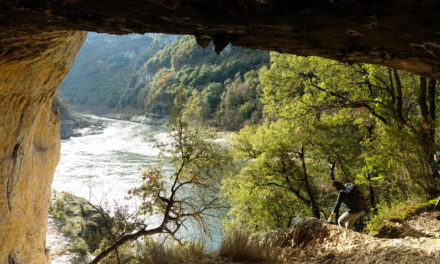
x=401, y=34
x=315, y=241
x=29, y=138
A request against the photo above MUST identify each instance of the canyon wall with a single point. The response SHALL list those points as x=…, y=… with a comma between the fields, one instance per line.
x=31, y=68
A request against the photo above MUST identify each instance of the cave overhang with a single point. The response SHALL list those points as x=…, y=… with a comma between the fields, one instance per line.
x=401, y=34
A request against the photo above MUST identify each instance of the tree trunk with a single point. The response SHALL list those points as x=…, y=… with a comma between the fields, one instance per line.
x=431, y=105
x=422, y=98
x=427, y=132
x=371, y=193
x=432, y=118
x=399, y=101
x=314, y=204
x=125, y=239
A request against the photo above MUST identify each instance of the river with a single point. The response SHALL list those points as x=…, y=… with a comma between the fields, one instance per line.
x=104, y=167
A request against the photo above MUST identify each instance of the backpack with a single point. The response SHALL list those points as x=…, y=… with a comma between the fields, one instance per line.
x=356, y=198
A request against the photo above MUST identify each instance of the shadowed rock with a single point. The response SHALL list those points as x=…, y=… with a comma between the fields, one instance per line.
x=401, y=34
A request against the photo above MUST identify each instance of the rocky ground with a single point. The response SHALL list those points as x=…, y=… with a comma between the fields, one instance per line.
x=71, y=219
x=314, y=241
x=80, y=126
x=426, y=225
x=58, y=243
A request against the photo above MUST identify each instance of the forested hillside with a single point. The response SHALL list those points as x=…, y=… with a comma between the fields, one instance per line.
x=104, y=66
x=141, y=72
x=227, y=83
x=361, y=123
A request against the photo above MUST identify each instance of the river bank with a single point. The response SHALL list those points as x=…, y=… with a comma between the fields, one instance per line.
x=59, y=244
x=136, y=115
x=104, y=167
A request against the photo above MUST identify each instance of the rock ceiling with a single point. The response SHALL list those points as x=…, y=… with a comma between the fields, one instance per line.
x=400, y=34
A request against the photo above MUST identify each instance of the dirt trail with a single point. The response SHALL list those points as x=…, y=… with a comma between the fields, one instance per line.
x=425, y=224
x=315, y=241
x=58, y=244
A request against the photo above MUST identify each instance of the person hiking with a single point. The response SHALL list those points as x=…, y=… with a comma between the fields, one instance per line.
x=353, y=201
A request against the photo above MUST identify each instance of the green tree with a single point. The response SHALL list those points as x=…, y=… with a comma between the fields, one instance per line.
x=279, y=164
x=190, y=194
x=360, y=123
x=241, y=101
x=387, y=105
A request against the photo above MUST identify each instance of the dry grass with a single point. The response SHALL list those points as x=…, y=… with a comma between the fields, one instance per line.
x=156, y=253
x=239, y=246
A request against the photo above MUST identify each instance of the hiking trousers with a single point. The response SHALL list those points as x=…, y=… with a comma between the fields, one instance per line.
x=347, y=220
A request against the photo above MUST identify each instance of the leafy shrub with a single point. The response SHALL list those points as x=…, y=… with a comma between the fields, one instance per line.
x=59, y=215
x=84, y=209
x=388, y=214
x=152, y=252
x=69, y=229
x=79, y=246
x=59, y=204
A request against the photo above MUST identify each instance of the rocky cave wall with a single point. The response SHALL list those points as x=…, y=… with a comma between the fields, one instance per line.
x=404, y=34
x=29, y=140
x=39, y=40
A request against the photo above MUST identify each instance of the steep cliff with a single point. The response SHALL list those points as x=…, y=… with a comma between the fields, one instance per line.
x=103, y=67
x=31, y=70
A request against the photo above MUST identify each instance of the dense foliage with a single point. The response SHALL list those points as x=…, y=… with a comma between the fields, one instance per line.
x=104, y=66
x=227, y=83
x=304, y=122
x=360, y=123
x=145, y=71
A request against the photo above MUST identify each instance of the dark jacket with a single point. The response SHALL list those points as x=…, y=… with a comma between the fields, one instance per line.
x=350, y=201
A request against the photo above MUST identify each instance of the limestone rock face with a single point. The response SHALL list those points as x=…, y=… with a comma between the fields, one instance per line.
x=31, y=69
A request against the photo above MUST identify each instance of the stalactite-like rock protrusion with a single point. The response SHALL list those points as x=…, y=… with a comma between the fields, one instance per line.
x=203, y=41
x=220, y=42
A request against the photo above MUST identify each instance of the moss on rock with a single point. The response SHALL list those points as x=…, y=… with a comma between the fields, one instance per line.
x=81, y=220
x=392, y=227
